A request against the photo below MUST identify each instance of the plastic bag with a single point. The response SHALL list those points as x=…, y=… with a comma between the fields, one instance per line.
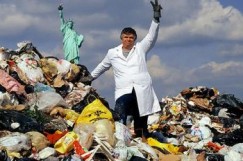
x=24, y=122
x=88, y=98
x=85, y=131
x=40, y=87
x=165, y=147
x=71, y=116
x=232, y=156
x=215, y=157
x=8, y=99
x=45, y=153
x=191, y=156
x=30, y=67
x=63, y=66
x=238, y=148
x=38, y=140
x=16, y=142
x=154, y=118
x=105, y=129
x=47, y=100
x=230, y=138
x=93, y=112
x=121, y=153
x=123, y=133
x=4, y=156
x=230, y=102
x=146, y=148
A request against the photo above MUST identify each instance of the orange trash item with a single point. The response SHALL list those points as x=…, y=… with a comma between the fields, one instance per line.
x=53, y=138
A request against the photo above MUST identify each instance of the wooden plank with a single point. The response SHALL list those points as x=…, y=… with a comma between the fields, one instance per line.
x=93, y=153
x=104, y=148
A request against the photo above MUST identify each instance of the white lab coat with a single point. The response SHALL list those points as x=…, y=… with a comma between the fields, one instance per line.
x=131, y=72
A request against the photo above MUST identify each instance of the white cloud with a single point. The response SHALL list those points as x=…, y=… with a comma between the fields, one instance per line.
x=13, y=21
x=156, y=68
x=213, y=70
x=162, y=72
x=16, y=17
x=211, y=20
x=98, y=38
x=215, y=21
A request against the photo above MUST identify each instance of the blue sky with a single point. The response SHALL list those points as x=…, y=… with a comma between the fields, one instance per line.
x=200, y=42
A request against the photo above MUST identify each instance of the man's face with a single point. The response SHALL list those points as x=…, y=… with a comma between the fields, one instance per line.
x=128, y=41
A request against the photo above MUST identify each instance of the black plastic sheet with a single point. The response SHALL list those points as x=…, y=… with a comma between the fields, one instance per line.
x=26, y=123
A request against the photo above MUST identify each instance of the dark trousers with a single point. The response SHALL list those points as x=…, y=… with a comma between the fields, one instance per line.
x=127, y=105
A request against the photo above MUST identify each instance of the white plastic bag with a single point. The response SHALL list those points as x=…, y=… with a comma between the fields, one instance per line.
x=85, y=132
x=154, y=118
x=63, y=66
x=123, y=133
x=145, y=148
x=16, y=142
x=232, y=156
x=104, y=129
x=238, y=148
x=47, y=100
x=30, y=67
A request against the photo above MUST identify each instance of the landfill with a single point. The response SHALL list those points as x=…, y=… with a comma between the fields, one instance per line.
x=49, y=111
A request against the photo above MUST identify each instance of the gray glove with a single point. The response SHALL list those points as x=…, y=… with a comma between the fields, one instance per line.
x=60, y=7
x=157, y=10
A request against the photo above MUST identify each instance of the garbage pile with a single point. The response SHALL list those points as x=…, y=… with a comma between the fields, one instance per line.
x=49, y=111
x=200, y=124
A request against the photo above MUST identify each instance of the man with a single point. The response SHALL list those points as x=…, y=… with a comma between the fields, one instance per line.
x=71, y=40
x=134, y=93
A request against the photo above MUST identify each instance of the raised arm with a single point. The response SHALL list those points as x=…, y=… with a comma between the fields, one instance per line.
x=149, y=40
x=60, y=9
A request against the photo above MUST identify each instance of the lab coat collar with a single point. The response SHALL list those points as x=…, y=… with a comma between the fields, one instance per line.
x=120, y=54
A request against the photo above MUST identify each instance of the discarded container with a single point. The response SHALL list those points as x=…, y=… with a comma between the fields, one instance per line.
x=65, y=144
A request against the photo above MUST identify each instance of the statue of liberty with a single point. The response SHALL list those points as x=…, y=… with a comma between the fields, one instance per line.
x=71, y=40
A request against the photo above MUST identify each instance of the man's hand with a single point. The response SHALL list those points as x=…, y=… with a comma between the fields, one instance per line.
x=157, y=9
x=60, y=7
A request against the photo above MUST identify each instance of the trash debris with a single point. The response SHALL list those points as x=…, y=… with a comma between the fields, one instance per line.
x=50, y=111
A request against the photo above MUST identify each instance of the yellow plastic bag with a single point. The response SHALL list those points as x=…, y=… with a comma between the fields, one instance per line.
x=170, y=148
x=71, y=116
x=65, y=143
x=94, y=111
